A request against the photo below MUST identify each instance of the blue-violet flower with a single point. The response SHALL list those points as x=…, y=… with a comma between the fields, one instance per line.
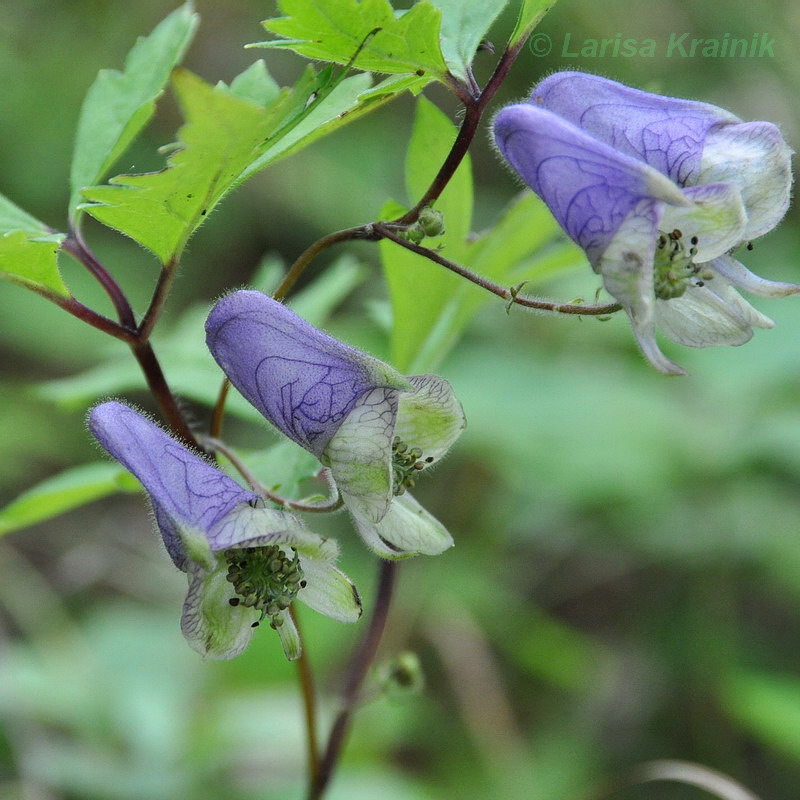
x=374, y=428
x=658, y=191
x=245, y=562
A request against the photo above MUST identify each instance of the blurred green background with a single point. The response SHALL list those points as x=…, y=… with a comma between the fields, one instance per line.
x=626, y=580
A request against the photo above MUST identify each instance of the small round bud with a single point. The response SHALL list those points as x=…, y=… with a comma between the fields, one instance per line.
x=431, y=222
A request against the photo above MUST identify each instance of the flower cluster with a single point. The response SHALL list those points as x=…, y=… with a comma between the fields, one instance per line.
x=659, y=192
x=373, y=428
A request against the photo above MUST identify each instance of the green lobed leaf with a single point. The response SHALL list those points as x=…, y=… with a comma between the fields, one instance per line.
x=255, y=84
x=312, y=120
x=334, y=30
x=325, y=103
x=416, y=312
x=396, y=84
x=29, y=250
x=68, y=490
x=530, y=15
x=464, y=26
x=160, y=210
x=119, y=104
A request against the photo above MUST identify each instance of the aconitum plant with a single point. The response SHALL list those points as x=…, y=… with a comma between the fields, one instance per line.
x=659, y=194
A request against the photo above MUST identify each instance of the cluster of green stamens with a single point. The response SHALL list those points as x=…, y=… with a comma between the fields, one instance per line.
x=266, y=579
x=673, y=267
x=406, y=463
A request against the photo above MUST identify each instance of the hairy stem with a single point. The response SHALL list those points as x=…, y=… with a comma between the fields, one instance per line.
x=473, y=113
x=357, y=671
x=76, y=247
x=310, y=253
x=157, y=383
x=159, y=299
x=215, y=429
x=510, y=294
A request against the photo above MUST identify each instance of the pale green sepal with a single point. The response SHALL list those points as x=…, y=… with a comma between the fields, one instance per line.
x=246, y=526
x=709, y=316
x=329, y=591
x=382, y=374
x=195, y=544
x=716, y=217
x=627, y=263
x=627, y=269
x=290, y=638
x=210, y=624
x=737, y=274
x=754, y=157
x=429, y=417
x=407, y=529
x=360, y=454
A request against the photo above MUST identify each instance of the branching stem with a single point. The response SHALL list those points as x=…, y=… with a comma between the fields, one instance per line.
x=507, y=293
x=75, y=246
x=357, y=671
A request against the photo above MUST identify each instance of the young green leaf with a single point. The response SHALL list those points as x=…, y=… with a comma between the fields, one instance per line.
x=464, y=26
x=160, y=210
x=255, y=84
x=396, y=84
x=530, y=15
x=310, y=121
x=29, y=250
x=385, y=40
x=119, y=104
x=68, y=490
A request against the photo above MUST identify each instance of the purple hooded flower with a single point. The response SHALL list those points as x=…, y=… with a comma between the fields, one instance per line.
x=245, y=562
x=658, y=191
x=373, y=427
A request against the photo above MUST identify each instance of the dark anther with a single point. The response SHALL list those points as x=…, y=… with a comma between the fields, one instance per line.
x=749, y=245
x=694, y=240
x=234, y=601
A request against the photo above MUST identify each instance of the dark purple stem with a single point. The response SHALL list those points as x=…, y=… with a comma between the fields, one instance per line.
x=85, y=314
x=159, y=299
x=136, y=337
x=157, y=383
x=357, y=671
x=469, y=127
x=75, y=245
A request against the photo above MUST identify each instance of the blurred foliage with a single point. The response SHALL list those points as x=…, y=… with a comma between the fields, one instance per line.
x=626, y=580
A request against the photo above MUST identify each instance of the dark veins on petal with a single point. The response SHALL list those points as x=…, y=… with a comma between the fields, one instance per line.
x=300, y=379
